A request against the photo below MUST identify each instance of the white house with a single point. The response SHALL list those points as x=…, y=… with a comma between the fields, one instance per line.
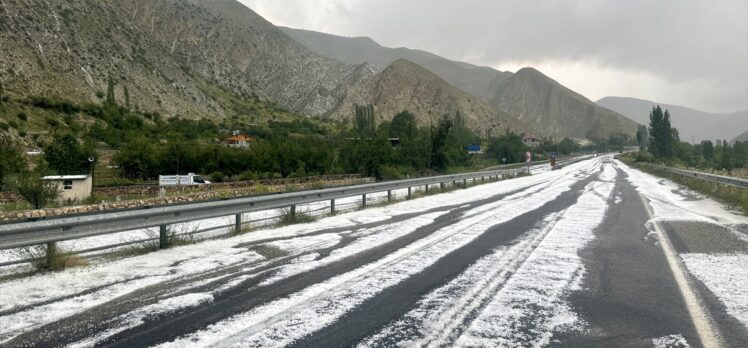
x=72, y=187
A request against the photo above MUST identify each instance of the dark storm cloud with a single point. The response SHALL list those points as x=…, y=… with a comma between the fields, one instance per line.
x=698, y=43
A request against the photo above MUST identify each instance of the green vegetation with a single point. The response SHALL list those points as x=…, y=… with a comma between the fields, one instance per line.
x=664, y=146
x=143, y=145
x=11, y=159
x=39, y=193
x=64, y=154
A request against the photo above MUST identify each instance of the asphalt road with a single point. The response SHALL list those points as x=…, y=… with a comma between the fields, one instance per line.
x=562, y=258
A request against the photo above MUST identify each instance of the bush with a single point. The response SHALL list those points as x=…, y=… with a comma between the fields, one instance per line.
x=217, y=177
x=4, y=126
x=38, y=192
x=13, y=124
x=643, y=156
x=392, y=173
x=100, y=94
x=53, y=122
x=22, y=116
x=68, y=119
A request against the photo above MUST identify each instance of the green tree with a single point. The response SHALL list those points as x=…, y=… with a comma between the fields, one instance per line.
x=127, y=97
x=414, y=149
x=404, y=123
x=363, y=120
x=707, y=150
x=110, y=100
x=567, y=146
x=440, y=144
x=65, y=155
x=369, y=149
x=507, y=146
x=663, y=138
x=642, y=136
x=11, y=158
x=137, y=159
x=38, y=192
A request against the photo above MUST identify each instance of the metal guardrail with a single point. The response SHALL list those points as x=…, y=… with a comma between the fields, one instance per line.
x=55, y=229
x=737, y=182
x=49, y=230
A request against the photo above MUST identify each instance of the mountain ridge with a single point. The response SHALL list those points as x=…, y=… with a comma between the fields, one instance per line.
x=552, y=108
x=473, y=79
x=484, y=83
x=692, y=124
x=404, y=85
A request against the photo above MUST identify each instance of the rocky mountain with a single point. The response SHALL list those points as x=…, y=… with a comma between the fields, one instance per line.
x=550, y=108
x=171, y=56
x=742, y=137
x=543, y=104
x=476, y=80
x=208, y=58
x=691, y=124
x=404, y=85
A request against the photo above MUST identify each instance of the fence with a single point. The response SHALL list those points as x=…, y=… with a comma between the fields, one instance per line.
x=737, y=182
x=51, y=230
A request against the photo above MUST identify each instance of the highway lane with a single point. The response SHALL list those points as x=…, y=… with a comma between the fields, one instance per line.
x=559, y=258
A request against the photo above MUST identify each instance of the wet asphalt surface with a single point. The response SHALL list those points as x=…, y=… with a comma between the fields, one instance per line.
x=629, y=294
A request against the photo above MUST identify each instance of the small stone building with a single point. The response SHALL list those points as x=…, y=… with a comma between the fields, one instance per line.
x=72, y=187
x=530, y=140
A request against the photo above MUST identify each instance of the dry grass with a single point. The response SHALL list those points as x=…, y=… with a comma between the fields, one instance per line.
x=51, y=260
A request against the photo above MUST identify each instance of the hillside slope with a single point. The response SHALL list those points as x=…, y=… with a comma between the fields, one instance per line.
x=552, y=109
x=405, y=85
x=691, y=124
x=161, y=51
x=476, y=80
x=742, y=137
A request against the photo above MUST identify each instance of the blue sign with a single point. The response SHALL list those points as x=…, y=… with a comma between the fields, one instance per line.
x=473, y=148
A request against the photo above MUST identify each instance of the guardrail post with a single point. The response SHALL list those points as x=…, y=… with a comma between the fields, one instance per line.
x=482, y=179
x=332, y=206
x=464, y=182
x=363, y=201
x=441, y=186
x=409, y=192
x=427, y=188
x=238, y=224
x=163, y=238
x=389, y=195
x=51, y=253
x=293, y=210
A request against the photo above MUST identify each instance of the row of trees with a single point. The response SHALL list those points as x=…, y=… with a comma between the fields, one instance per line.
x=387, y=150
x=663, y=143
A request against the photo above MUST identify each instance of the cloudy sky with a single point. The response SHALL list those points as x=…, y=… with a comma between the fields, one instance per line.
x=692, y=53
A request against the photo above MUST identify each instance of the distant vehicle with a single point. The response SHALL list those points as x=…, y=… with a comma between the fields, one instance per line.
x=190, y=179
x=616, y=156
x=35, y=152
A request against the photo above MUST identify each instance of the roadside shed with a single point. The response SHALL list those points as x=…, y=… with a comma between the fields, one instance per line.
x=72, y=187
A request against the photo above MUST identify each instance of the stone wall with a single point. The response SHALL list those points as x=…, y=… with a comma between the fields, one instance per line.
x=217, y=191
